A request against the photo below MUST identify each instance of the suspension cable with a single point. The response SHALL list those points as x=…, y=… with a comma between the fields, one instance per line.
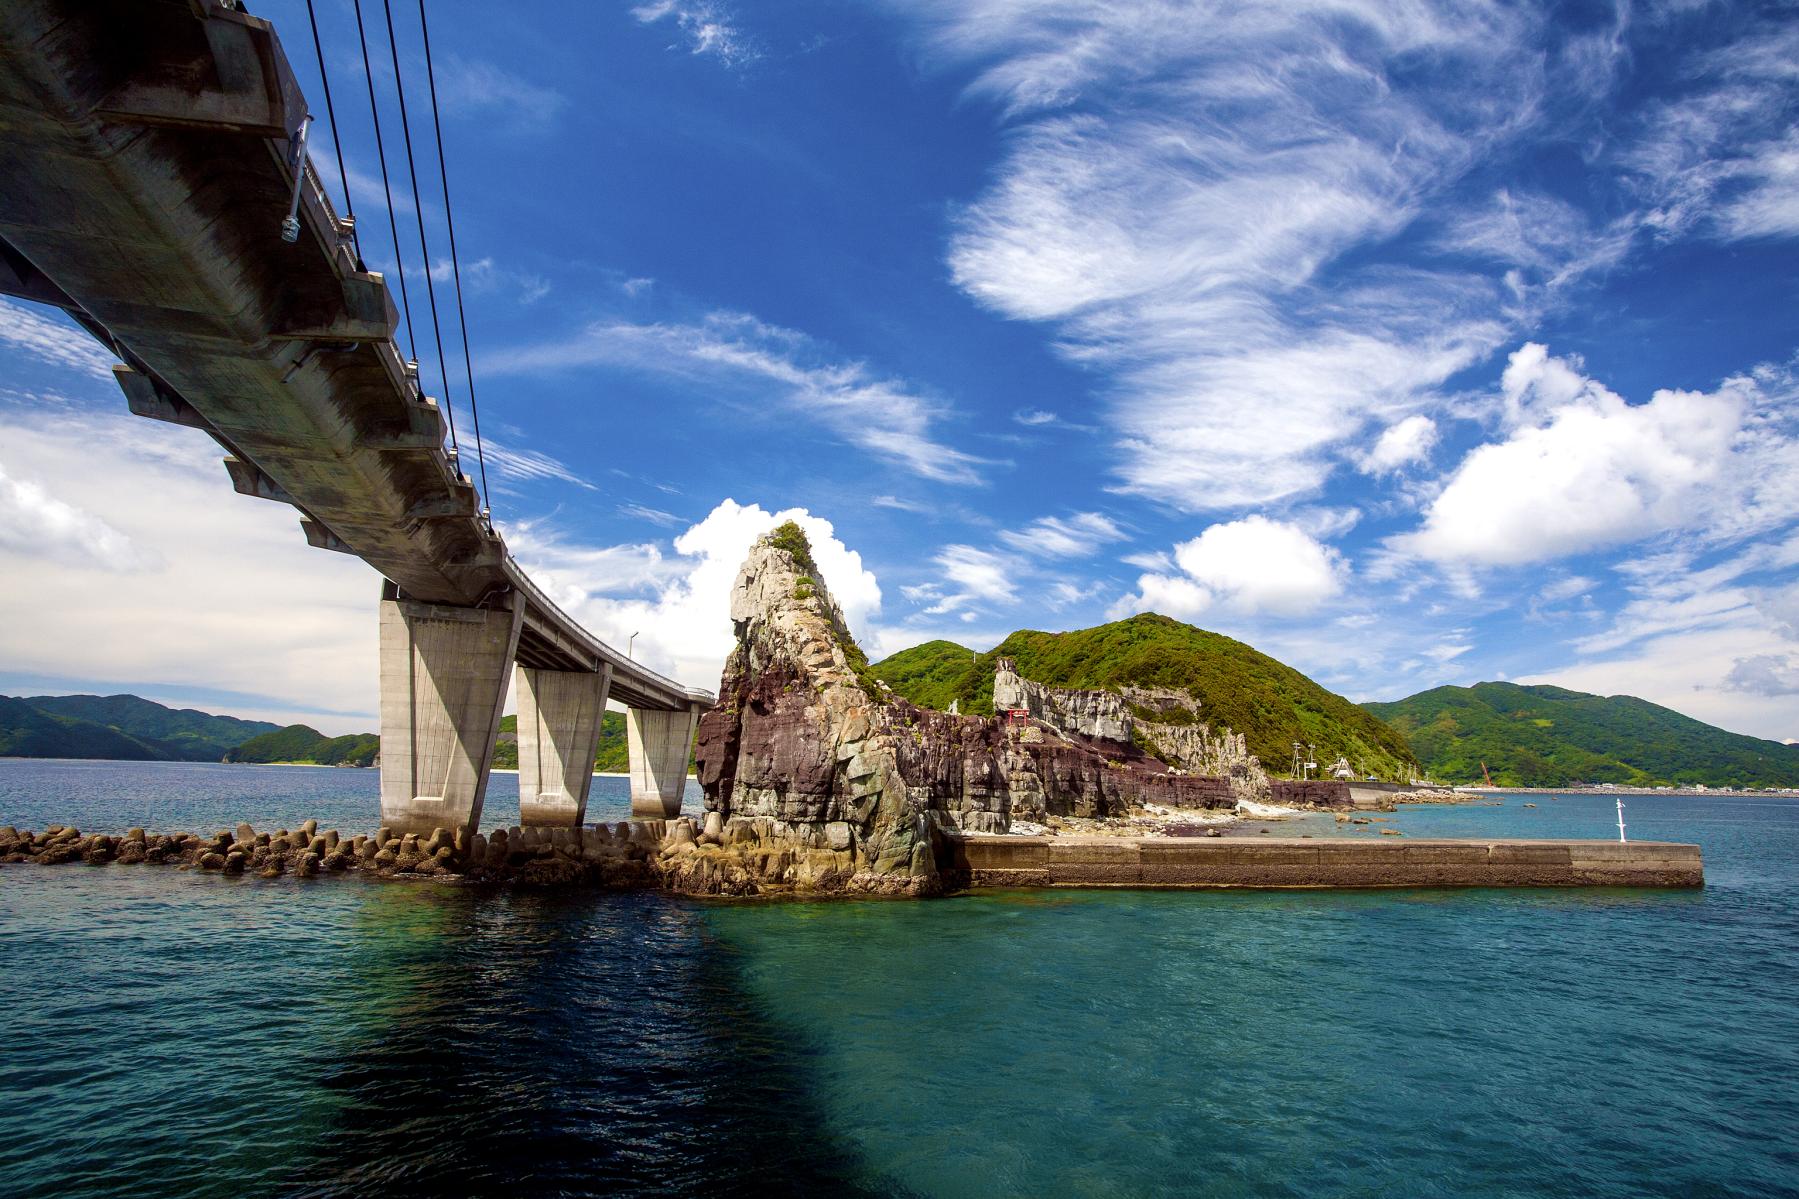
x=443, y=172
x=337, y=144
x=393, y=227
x=418, y=208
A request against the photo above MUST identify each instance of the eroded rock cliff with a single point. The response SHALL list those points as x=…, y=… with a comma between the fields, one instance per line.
x=816, y=778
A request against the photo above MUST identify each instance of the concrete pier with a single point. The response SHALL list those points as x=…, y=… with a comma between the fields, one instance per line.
x=1006, y=861
x=660, y=744
x=559, y=715
x=444, y=672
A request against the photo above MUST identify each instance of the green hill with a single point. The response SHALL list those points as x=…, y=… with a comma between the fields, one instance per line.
x=117, y=726
x=1551, y=737
x=1248, y=692
x=26, y=732
x=303, y=743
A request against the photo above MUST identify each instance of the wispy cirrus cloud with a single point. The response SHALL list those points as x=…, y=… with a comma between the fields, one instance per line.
x=525, y=466
x=707, y=29
x=1191, y=193
x=885, y=416
x=55, y=342
x=1059, y=537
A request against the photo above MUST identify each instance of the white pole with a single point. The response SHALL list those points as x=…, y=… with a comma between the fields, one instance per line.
x=1620, y=819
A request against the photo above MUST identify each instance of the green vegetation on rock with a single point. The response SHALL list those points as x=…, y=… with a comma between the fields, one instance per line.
x=303, y=743
x=1238, y=688
x=1551, y=737
x=124, y=727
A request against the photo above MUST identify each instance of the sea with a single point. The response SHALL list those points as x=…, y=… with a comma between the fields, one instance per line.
x=181, y=1033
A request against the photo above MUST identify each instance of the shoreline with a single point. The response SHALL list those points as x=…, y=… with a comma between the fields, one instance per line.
x=682, y=857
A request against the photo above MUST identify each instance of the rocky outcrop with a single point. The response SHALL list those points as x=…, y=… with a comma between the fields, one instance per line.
x=798, y=759
x=816, y=778
x=1195, y=748
x=1161, y=720
x=1097, y=714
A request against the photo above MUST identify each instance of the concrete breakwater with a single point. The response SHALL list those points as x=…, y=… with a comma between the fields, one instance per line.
x=679, y=855
x=602, y=856
x=1009, y=861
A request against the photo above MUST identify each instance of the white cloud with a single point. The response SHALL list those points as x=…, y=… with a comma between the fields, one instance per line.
x=1249, y=566
x=1159, y=561
x=1764, y=674
x=655, y=516
x=225, y=594
x=1181, y=194
x=1054, y=537
x=706, y=25
x=681, y=611
x=1582, y=469
x=1695, y=673
x=53, y=341
x=1723, y=157
x=470, y=87
x=885, y=417
x=1401, y=445
x=1063, y=594
x=973, y=576
x=34, y=523
x=521, y=465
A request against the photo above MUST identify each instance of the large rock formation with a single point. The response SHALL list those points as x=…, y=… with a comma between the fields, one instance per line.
x=816, y=778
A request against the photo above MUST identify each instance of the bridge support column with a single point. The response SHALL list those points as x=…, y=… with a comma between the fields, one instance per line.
x=660, y=744
x=559, y=714
x=444, y=671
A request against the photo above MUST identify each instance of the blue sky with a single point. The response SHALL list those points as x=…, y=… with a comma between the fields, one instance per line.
x=1411, y=343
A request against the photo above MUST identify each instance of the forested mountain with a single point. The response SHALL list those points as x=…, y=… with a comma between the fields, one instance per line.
x=1543, y=736
x=117, y=726
x=1237, y=687
x=303, y=743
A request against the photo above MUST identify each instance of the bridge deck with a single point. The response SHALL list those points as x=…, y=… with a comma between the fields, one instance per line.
x=144, y=174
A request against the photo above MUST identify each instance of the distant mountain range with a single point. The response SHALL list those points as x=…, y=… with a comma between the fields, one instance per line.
x=125, y=727
x=1238, y=688
x=118, y=726
x=1551, y=737
x=303, y=743
x=1528, y=736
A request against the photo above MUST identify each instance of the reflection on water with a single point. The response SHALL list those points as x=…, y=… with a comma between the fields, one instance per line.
x=181, y=1033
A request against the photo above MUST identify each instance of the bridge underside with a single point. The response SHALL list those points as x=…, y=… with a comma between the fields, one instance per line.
x=147, y=161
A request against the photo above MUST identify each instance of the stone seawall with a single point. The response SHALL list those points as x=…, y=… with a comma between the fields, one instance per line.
x=1009, y=861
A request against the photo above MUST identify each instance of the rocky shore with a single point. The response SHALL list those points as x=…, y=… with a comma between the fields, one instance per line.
x=622, y=857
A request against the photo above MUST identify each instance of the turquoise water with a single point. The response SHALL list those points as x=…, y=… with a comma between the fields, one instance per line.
x=172, y=1033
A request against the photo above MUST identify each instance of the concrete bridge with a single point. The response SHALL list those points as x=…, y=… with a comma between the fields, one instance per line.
x=149, y=152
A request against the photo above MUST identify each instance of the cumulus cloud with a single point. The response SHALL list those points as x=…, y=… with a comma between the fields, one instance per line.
x=1401, y=445
x=34, y=523
x=679, y=604
x=1055, y=537
x=1582, y=469
x=1764, y=674
x=222, y=593
x=1249, y=566
x=728, y=350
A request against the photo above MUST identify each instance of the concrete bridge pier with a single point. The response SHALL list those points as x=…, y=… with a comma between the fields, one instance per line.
x=444, y=671
x=660, y=744
x=559, y=714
